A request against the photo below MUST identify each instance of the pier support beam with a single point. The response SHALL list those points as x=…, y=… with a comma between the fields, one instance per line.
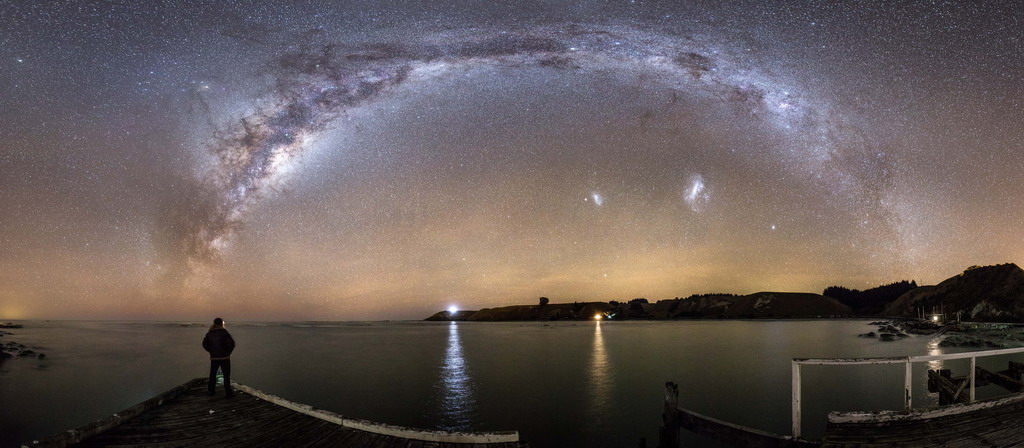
x=999, y=379
x=1017, y=370
x=949, y=391
x=669, y=437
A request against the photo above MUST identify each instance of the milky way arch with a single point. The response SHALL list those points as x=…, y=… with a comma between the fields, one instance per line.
x=314, y=85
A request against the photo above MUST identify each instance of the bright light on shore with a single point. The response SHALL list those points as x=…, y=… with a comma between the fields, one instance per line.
x=453, y=309
x=597, y=316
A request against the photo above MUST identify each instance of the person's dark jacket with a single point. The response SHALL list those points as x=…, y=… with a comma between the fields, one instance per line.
x=218, y=342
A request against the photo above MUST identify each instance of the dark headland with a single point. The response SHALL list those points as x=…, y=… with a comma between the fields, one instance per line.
x=980, y=293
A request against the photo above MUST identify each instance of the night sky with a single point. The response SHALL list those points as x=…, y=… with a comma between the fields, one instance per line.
x=328, y=160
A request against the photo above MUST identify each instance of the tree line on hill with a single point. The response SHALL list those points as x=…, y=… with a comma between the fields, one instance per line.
x=869, y=301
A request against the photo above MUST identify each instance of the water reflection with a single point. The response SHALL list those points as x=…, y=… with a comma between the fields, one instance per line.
x=600, y=377
x=933, y=349
x=456, y=386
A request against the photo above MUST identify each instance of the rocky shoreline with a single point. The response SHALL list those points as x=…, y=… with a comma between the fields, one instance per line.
x=953, y=334
x=892, y=330
x=12, y=349
x=984, y=335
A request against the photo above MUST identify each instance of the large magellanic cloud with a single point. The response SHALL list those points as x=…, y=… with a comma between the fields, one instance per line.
x=314, y=85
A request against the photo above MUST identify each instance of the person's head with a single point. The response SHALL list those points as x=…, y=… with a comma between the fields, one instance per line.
x=218, y=322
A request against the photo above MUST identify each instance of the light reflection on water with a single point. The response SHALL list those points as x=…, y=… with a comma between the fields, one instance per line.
x=456, y=386
x=933, y=349
x=600, y=377
x=560, y=384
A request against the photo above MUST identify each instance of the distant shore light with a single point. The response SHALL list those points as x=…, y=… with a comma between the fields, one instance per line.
x=453, y=309
x=597, y=316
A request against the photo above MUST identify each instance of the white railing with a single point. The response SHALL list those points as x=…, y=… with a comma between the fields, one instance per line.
x=907, y=360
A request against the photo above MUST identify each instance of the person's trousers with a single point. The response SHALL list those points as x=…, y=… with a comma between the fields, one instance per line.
x=225, y=366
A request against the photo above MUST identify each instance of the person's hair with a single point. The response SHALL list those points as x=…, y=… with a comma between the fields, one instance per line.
x=218, y=321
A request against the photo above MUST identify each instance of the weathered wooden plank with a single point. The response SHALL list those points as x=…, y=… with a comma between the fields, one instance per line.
x=254, y=433
x=312, y=434
x=998, y=426
x=225, y=418
x=204, y=429
x=204, y=424
x=337, y=439
x=734, y=434
x=326, y=435
x=396, y=442
x=949, y=392
x=288, y=435
x=902, y=435
x=354, y=438
x=83, y=432
x=192, y=411
x=182, y=417
x=242, y=412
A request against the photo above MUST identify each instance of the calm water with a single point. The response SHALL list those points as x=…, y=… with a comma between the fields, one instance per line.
x=560, y=384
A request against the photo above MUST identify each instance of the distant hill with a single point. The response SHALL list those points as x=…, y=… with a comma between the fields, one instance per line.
x=981, y=293
x=757, y=305
x=870, y=301
x=554, y=311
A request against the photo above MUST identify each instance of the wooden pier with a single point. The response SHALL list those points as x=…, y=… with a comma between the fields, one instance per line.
x=187, y=416
x=959, y=421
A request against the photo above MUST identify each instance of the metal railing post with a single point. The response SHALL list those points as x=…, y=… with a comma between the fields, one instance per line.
x=972, y=378
x=908, y=363
x=907, y=386
x=796, y=400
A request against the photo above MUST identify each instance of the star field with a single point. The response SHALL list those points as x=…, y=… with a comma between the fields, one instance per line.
x=371, y=160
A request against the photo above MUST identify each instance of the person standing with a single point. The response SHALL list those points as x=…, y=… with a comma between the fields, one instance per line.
x=219, y=343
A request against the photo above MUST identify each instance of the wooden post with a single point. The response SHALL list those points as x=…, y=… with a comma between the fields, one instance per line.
x=948, y=389
x=907, y=403
x=670, y=417
x=973, y=374
x=1016, y=369
x=796, y=400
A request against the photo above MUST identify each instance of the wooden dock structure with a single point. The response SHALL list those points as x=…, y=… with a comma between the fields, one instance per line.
x=187, y=416
x=959, y=421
